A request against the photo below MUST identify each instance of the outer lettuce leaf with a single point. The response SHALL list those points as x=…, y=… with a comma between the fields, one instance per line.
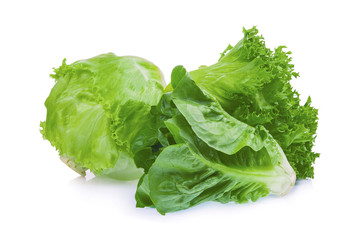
x=98, y=113
x=252, y=83
x=179, y=180
x=207, y=118
x=143, y=198
x=207, y=165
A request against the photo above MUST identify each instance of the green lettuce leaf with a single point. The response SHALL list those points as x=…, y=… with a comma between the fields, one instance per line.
x=252, y=83
x=99, y=113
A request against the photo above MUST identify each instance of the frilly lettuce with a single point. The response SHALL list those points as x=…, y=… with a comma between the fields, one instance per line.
x=252, y=83
x=239, y=131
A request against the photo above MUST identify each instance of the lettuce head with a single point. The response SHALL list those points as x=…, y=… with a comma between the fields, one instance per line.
x=98, y=113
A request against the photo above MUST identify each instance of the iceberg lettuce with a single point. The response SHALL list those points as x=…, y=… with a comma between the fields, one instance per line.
x=98, y=113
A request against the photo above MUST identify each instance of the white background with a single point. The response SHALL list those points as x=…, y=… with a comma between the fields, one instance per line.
x=41, y=198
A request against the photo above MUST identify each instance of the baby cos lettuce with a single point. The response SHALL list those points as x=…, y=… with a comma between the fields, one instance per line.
x=217, y=157
x=233, y=131
x=240, y=132
x=98, y=113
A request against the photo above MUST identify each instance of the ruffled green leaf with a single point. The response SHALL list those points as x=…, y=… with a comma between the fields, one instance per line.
x=252, y=83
